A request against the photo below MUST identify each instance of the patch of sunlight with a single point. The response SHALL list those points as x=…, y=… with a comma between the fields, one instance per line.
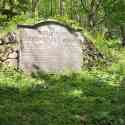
x=115, y=84
x=75, y=93
x=122, y=61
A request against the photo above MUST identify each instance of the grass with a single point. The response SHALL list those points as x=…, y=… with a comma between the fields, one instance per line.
x=90, y=97
x=94, y=96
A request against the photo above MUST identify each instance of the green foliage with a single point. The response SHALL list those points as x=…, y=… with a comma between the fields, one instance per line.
x=12, y=24
x=115, y=11
x=93, y=15
x=66, y=20
x=11, y=77
x=91, y=97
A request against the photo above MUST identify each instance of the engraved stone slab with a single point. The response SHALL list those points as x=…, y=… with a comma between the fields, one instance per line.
x=50, y=47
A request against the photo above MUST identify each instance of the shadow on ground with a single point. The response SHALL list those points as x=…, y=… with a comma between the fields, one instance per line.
x=74, y=99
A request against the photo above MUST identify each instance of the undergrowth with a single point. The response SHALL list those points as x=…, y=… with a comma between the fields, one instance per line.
x=93, y=96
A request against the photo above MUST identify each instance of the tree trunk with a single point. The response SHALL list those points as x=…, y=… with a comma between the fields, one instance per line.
x=34, y=5
x=61, y=7
x=122, y=35
x=51, y=6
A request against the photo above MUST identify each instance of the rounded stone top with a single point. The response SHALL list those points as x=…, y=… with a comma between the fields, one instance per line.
x=49, y=22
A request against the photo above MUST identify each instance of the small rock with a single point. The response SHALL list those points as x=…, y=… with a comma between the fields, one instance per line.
x=1, y=42
x=11, y=62
x=13, y=55
x=9, y=38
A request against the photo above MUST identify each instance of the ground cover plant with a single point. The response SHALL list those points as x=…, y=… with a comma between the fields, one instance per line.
x=92, y=97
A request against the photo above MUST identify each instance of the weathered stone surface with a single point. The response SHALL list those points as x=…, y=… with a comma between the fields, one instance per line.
x=13, y=55
x=50, y=47
x=7, y=52
x=9, y=38
x=11, y=62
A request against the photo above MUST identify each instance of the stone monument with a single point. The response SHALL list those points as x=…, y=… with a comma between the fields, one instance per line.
x=50, y=46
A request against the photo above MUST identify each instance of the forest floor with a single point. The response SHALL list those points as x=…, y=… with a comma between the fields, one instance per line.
x=90, y=97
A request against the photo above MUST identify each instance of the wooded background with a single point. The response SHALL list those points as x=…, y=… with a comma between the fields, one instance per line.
x=104, y=16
